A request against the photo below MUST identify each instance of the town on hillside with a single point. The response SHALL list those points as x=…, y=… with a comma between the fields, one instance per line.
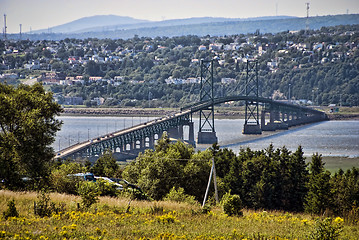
x=311, y=67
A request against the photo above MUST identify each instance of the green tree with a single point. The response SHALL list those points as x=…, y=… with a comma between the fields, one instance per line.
x=299, y=177
x=61, y=182
x=89, y=193
x=345, y=191
x=293, y=180
x=170, y=165
x=93, y=69
x=27, y=129
x=106, y=165
x=318, y=196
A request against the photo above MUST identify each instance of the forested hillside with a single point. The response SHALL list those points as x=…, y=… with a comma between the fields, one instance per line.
x=318, y=66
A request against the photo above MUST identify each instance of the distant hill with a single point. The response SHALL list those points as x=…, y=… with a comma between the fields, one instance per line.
x=200, y=27
x=174, y=22
x=99, y=22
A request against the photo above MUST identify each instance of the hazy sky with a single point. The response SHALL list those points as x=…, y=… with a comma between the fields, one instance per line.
x=39, y=14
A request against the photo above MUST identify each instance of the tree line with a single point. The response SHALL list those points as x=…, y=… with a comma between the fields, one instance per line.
x=273, y=179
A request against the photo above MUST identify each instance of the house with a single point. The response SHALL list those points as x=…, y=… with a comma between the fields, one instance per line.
x=228, y=80
x=9, y=76
x=202, y=48
x=73, y=101
x=98, y=100
x=33, y=65
x=95, y=79
x=51, y=78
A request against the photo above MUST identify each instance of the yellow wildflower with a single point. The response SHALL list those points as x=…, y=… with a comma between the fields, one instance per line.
x=338, y=220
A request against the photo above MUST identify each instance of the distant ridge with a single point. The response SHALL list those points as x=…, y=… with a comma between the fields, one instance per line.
x=200, y=27
x=102, y=23
x=99, y=21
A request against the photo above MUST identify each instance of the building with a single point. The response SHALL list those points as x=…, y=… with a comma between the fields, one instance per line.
x=73, y=101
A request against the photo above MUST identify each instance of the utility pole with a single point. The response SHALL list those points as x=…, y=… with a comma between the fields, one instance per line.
x=20, y=30
x=5, y=27
x=212, y=174
x=307, y=20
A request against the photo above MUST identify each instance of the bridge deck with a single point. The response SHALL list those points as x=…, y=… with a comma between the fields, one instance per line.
x=184, y=112
x=83, y=145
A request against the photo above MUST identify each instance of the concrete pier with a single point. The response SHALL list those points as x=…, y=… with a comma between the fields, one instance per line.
x=207, y=137
x=252, y=129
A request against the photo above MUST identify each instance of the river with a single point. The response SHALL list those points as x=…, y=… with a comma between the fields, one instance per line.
x=329, y=138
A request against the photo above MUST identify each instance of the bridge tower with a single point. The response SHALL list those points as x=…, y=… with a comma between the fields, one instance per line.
x=206, y=133
x=251, y=123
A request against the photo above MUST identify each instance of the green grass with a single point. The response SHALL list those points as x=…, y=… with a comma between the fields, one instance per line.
x=150, y=220
x=333, y=164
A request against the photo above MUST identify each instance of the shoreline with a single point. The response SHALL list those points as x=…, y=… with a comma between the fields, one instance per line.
x=159, y=112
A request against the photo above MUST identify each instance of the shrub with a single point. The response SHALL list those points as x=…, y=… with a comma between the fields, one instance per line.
x=134, y=194
x=11, y=210
x=155, y=209
x=89, y=193
x=106, y=188
x=60, y=181
x=206, y=209
x=44, y=207
x=232, y=205
x=178, y=195
x=352, y=216
x=327, y=229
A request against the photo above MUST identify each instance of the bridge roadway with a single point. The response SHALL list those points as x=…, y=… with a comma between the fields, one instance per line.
x=66, y=152
x=141, y=136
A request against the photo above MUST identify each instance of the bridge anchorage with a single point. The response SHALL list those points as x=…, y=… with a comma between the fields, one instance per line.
x=127, y=143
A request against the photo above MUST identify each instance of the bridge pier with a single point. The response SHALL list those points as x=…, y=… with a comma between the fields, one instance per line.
x=207, y=137
x=151, y=142
x=252, y=129
x=276, y=120
x=177, y=133
x=191, y=139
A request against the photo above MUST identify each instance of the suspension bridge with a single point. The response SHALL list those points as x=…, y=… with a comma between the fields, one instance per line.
x=261, y=114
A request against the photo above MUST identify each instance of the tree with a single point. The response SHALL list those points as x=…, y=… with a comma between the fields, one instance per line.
x=93, y=69
x=170, y=165
x=27, y=129
x=345, y=191
x=293, y=180
x=318, y=196
x=299, y=176
x=106, y=165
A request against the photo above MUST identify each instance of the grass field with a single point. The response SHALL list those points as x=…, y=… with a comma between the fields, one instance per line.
x=333, y=164
x=108, y=219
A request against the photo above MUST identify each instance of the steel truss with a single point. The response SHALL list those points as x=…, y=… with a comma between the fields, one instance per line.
x=252, y=89
x=206, y=116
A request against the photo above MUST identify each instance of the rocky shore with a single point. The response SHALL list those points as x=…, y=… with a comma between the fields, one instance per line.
x=116, y=112
x=343, y=116
x=140, y=112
